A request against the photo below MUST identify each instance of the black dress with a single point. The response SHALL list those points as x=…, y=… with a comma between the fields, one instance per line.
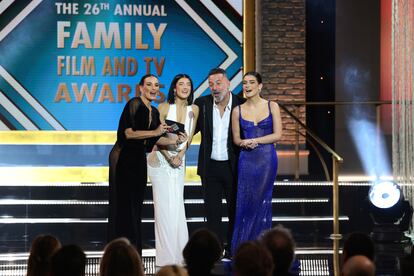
x=128, y=172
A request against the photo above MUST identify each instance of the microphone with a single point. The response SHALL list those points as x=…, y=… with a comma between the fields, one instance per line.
x=191, y=117
x=205, y=158
x=191, y=114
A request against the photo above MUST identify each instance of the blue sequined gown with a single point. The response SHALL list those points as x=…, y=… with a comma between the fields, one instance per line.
x=256, y=174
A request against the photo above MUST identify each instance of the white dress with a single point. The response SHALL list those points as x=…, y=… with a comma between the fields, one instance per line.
x=171, y=233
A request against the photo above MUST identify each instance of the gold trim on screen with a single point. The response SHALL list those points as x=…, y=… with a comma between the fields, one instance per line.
x=11, y=175
x=17, y=137
x=249, y=43
x=26, y=137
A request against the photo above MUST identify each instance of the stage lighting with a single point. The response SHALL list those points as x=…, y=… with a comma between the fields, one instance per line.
x=384, y=194
x=391, y=215
x=389, y=211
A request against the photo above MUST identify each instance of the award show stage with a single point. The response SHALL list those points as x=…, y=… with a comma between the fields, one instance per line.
x=341, y=72
x=77, y=212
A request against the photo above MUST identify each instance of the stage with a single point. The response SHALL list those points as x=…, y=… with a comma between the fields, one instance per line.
x=340, y=70
x=77, y=213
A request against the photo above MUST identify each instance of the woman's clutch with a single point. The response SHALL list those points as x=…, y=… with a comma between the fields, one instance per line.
x=175, y=127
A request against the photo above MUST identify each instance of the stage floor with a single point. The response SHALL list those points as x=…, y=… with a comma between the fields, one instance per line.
x=77, y=212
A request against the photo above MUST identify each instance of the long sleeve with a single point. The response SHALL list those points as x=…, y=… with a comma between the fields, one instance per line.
x=150, y=142
x=127, y=119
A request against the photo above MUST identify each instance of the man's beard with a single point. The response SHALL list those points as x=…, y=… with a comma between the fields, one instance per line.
x=219, y=98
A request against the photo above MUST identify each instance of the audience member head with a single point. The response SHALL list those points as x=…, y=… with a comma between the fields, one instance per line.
x=202, y=250
x=252, y=258
x=280, y=243
x=69, y=260
x=120, y=258
x=172, y=270
x=406, y=264
x=358, y=244
x=177, y=84
x=358, y=265
x=41, y=252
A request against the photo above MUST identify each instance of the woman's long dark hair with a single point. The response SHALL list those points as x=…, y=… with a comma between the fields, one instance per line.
x=141, y=82
x=41, y=252
x=254, y=74
x=171, y=94
x=120, y=258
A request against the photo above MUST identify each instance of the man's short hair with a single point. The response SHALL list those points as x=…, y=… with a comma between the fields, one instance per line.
x=280, y=243
x=215, y=71
x=120, y=258
x=358, y=243
x=202, y=250
x=358, y=265
x=69, y=260
x=406, y=265
x=252, y=258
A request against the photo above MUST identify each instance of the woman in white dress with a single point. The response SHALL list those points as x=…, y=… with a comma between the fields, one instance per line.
x=166, y=170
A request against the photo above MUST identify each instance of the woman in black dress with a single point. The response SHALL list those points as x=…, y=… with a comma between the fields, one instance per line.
x=138, y=131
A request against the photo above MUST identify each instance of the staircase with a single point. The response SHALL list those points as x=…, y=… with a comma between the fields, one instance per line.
x=77, y=212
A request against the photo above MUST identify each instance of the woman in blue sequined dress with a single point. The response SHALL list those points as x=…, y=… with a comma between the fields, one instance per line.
x=256, y=127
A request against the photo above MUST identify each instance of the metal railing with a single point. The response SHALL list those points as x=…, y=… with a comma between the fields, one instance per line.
x=295, y=116
x=336, y=158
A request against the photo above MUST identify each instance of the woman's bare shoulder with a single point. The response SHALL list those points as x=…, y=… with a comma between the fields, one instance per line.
x=162, y=107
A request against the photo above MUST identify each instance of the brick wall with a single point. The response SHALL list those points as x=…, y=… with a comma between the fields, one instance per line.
x=282, y=59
